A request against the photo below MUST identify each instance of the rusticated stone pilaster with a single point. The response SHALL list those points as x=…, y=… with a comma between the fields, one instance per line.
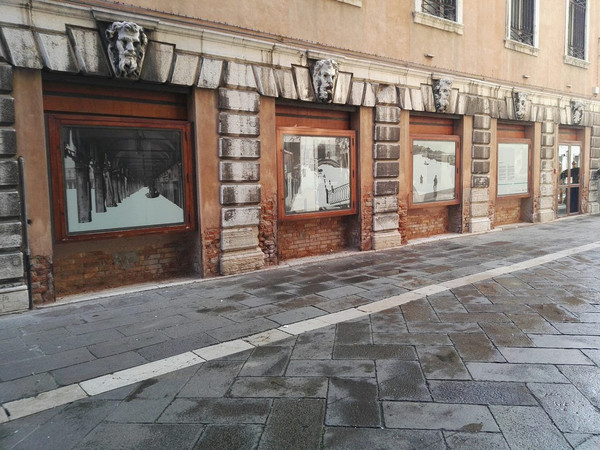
x=479, y=195
x=594, y=176
x=544, y=206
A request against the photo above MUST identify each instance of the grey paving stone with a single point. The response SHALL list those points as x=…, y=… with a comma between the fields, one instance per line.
x=568, y=408
x=296, y=315
x=421, y=339
x=294, y=423
x=475, y=347
x=340, y=438
x=57, y=345
x=165, y=386
x=481, y=392
x=544, y=356
x=97, y=367
x=382, y=292
x=126, y=344
x=141, y=436
x=286, y=387
x=253, y=313
x=419, y=311
x=176, y=346
x=375, y=351
x=352, y=403
x=391, y=321
x=419, y=327
x=44, y=364
x=229, y=437
x=353, y=333
x=554, y=313
x=21, y=354
x=213, y=379
x=401, y=380
x=487, y=441
x=590, y=317
x=216, y=411
x=26, y=387
x=316, y=344
x=586, y=379
x=594, y=355
x=139, y=410
x=540, y=373
x=532, y=323
x=591, y=443
x=554, y=341
x=343, y=291
x=199, y=325
x=528, y=427
x=342, y=303
x=330, y=368
x=589, y=329
x=438, y=416
x=267, y=361
x=473, y=317
x=446, y=303
x=506, y=335
x=239, y=330
x=442, y=363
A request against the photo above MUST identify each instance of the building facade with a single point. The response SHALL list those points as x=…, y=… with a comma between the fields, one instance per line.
x=143, y=141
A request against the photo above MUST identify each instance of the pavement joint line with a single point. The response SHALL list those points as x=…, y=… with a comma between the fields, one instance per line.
x=67, y=394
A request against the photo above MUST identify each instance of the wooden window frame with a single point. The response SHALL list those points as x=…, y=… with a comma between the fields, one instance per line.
x=529, y=163
x=457, y=151
x=319, y=132
x=57, y=121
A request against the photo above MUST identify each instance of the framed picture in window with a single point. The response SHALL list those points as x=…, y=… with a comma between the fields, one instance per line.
x=513, y=168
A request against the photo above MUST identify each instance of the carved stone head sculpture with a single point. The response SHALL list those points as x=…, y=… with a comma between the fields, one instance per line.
x=520, y=100
x=577, y=112
x=324, y=75
x=441, y=94
x=126, y=48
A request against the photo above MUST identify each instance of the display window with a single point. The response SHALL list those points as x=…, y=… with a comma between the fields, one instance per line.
x=513, y=168
x=119, y=176
x=316, y=172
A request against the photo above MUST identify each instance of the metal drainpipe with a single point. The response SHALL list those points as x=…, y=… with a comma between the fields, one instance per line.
x=25, y=221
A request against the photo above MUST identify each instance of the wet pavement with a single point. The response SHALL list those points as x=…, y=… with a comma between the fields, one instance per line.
x=480, y=341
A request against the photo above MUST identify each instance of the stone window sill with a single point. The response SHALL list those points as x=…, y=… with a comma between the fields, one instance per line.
x=520, y=47
x=352, y=2
x=576, y=62
x=437, y=22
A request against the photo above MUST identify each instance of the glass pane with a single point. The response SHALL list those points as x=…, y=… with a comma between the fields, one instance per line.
x=562, y=201
x=513, y=168
x=434, y=171
x=316, y=173
x=574, y=166
x=121, y=178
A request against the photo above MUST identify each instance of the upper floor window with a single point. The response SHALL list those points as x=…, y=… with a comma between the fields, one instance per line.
x=522, y=21
x=576, y=29
x=446, y=9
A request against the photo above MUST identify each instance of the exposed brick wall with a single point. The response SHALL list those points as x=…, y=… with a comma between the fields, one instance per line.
x=267, y=231
x=313, y=237
x=365, y=240
x=427, y=222
x=508, y=210
x=42, y=280
x=403, y=220
x=87, y=271
x=211, y=241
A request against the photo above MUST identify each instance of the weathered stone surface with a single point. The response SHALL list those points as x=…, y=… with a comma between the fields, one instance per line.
x=238, y=124
x=239, y=217
x=7, y=110
x=386, y=187
x=386, y=151
x=479, y=225
x=386, y=239
x=390, y=133
x=9, y=204
x=547, y=140
x=230, y=147
x=480, y=167
x=11, y=235
x=9, y=174
x=385, y=222
x=239, y=75
x=241, y=261
x=546, y=202
x=479, y=210
x=357, y=93
x=404, y=98
x=210, y=73
x=11, y=265
x=547, y=153
x=370, y=90
x=548, y=127
x=239, y=171
x=157, y=62
x=239, y=238
x=416, y=100
x=285, y=84
x=239, y=100
x=480, y=182
x=546, y=190
x=481, y=137
x=303, y=81
x=387, y=95
x=387, y=114
x=185, y=69
x=21, y=48
x=481, y=151
x=386, y=169
x=8, y=142
x=232, y=194
x=480, y=195
x=6, y=77
x=342, y=88
x=89, y=52
x=56, y=52
x=265, y=81
x=385, y=204
x=427, y=96
x=482, y=122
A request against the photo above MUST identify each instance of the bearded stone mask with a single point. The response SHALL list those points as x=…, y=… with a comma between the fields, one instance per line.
x=126, y=48
x=520, y=100
x=324, y=75
x=441, y=94
x=577, y=112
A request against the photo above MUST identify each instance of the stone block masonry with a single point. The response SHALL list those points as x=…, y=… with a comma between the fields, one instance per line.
x=545, y=211
x=13, y=290
x=476, y=203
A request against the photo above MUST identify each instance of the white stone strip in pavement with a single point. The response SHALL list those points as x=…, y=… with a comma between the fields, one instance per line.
x=67, y=394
